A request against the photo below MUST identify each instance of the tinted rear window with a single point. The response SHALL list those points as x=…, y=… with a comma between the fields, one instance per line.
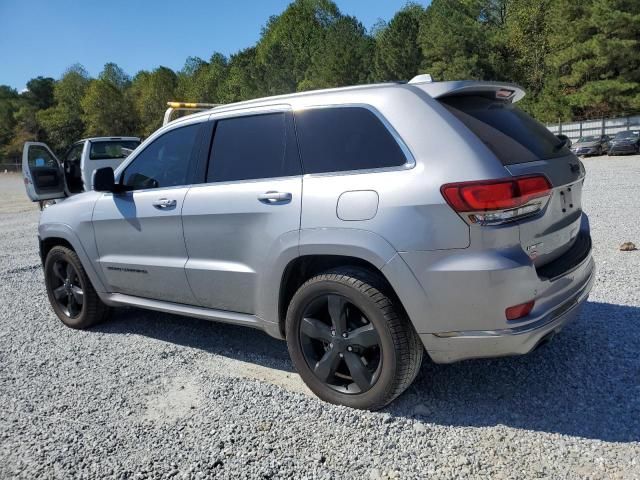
x=112, y=149
x=252, y=147
x=345, y=138
x=510, y=133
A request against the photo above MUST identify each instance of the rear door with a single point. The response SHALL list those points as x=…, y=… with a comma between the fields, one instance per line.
x=525, y=146
x=247, y=210
x=42, y=172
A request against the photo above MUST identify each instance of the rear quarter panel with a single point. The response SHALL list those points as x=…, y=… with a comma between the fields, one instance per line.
x=412, y=214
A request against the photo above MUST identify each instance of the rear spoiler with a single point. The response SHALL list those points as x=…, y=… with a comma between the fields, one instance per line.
x=186, y=106
x=501, y=90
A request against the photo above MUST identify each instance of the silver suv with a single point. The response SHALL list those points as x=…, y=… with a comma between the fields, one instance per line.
x=364, y=225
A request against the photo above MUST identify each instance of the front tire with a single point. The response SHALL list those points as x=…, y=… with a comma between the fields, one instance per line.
x=350, y=341
x=73, y=298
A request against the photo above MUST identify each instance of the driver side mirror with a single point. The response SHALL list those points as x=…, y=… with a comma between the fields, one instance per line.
x=566, y=141
x=103, y=180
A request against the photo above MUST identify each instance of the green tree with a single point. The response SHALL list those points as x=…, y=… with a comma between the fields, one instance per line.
x=455, y=40
x=244, y=79
x=289, y=42
x=63, y=122
x=335, y=65
x=8, y=100
x=107, y=110
x=596, y=51
x=40, y=92
x=397, y=52
x=150, y=92
x=201, y=81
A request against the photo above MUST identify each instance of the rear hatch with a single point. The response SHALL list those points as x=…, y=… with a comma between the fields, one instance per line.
x=524, y=146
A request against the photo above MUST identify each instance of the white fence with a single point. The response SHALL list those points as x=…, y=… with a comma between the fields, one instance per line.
x=603, y=126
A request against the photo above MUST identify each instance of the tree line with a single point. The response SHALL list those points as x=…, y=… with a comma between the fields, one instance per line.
x=575, y=60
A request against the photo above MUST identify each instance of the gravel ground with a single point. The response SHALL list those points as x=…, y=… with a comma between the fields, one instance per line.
x=150, y=395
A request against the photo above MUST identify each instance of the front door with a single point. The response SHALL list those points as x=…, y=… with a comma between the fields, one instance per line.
x=42, y=172
x=247, y=210
x=139, y=233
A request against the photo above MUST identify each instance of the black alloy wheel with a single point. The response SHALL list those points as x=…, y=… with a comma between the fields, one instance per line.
x=70, y=292
x=350, y=339
x=67, y=288
x=340, y=345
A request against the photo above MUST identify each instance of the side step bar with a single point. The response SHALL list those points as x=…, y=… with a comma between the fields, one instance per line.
x=244, y=319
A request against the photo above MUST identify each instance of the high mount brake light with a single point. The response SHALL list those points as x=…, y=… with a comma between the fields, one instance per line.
x=498, y=201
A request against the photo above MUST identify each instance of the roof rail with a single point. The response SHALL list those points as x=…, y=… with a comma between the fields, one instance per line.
x=185, y=106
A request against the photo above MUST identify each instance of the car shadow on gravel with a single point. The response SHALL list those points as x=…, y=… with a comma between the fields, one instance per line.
x=239, y=343
x=585, y=383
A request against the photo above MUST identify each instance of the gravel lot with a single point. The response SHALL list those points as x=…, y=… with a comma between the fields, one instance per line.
x=150, y=395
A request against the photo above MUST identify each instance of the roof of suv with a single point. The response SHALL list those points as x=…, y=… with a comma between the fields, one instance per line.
x=434, y=89
x=108, y=139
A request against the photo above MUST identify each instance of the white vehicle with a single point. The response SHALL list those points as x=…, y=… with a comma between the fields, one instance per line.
x=45, y=175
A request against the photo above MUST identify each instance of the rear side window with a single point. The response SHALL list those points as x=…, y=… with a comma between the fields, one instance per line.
x=510, y=133
x=112, y=149
x=336, y=139
x=252, y=147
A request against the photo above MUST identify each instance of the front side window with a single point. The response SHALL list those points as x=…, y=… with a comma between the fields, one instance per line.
x=335, y=139
x=165, y=162
x=252, y=147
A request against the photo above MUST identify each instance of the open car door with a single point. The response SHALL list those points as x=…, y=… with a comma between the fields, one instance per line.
x=42, y=172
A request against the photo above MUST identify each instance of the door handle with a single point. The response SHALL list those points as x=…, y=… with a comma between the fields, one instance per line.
x=275, y=197
x=164, y=203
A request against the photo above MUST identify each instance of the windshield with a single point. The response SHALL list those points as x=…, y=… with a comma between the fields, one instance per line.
x=590, y=138
x=512, y=135
x=112, y=149
x=628, y=134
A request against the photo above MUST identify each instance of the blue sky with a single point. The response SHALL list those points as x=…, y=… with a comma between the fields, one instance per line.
x=40, y=37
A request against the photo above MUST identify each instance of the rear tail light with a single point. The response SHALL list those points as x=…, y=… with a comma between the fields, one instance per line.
x=498, y=201
x=519, y=311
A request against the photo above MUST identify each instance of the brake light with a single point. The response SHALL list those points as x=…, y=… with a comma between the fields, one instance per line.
x=497, y=201
x=519, y=311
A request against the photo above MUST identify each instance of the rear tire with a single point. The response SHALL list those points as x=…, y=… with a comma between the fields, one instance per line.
x=365, y=372
x=73, y=298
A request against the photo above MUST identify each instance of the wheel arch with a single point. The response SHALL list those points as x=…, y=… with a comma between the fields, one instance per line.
x=48, y=243
x=52, y=235
x=304, y=267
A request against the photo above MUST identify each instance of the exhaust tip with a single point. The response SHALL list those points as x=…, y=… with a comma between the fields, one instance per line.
x=544, y=340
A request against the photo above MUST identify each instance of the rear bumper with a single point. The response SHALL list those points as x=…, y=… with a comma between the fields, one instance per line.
x=622, y=149
x=451, y=347
x=588, y=150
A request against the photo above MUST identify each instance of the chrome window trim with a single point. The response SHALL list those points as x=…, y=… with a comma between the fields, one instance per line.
x=250, y=111
x=410, y=161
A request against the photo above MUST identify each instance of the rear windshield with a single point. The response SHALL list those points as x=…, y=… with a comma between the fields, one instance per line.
x=592, y=138
x=510, y=133
x=628, y=134
x=112, y=149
